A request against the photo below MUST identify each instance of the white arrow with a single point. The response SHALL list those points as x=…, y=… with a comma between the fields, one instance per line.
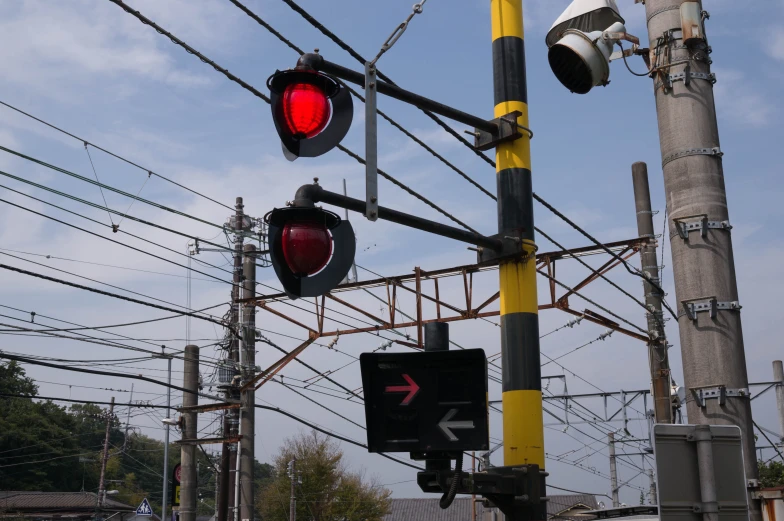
x=447, y=426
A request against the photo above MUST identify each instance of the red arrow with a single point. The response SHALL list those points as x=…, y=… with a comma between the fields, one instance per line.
x=412, y=389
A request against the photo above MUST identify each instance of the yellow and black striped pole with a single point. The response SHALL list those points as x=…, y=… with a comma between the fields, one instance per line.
x=522, y=379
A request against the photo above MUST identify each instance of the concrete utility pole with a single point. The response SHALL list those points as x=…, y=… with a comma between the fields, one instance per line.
x=613, y=470
x=702, y=258
x=127, y=423
x=778, y=376
x=231, y=418
x=188, y=480
x=293, y=499
x=164, y=504
x=658, y=359
x=523, y=424
x=104, y=459
x=248, y=332
x=653, y=496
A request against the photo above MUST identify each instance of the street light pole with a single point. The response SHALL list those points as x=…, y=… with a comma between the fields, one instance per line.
x=166, y=442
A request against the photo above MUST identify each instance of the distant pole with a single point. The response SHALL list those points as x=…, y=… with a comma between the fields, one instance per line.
x=293, y=499
x=613, y=470
x=653, y=497
x=164, y=504
x=706, y=291
x=658, y=360
x=189, y=481
x=127, y=422
x=778, y=376
x=104, y=459
x=354, y=264
x=248, y=399
x=707, y=472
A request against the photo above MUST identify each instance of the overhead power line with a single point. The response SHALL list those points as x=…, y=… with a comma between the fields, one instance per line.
x=139, y=405
x=146, y=21
x=113, y=295
x=146, y=170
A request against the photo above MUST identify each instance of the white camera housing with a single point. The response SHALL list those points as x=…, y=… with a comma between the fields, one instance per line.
x=581, y=44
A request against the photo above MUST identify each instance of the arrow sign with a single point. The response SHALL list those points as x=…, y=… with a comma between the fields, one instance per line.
x=446, y=426
x=412, y=389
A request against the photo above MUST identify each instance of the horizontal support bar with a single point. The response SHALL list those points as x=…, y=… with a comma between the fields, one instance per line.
x=309, y=194
x=209, y=407
x=317, y=62
x=208, y=441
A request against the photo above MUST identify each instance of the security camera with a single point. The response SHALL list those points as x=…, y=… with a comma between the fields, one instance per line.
x=581, y=43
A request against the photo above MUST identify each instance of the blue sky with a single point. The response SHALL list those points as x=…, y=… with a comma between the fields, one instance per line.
x=94, y=70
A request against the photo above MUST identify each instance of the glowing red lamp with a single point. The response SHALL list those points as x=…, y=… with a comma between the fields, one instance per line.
x=306, y=109
x=307, y=247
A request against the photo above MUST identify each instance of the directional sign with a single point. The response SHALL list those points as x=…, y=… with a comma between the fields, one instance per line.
x=144, y=509
x=419, y=402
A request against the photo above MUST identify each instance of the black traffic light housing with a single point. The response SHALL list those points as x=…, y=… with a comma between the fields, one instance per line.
x=337, y=267
x=342, y=112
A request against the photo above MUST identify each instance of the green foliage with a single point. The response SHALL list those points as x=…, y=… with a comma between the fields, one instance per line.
x=771, y=474
x=50, y=448
x=328, y=492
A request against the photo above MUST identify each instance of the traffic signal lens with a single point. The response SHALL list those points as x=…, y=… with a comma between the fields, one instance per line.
x=307, y=247
x=306, y=109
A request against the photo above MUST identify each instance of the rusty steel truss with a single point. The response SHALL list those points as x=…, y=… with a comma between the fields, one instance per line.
x=444, y=311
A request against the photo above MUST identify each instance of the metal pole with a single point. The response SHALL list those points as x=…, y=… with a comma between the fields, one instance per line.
x=613, y=471
x=127, y=422
x=166, y=446
x=293, y=499
x=189, y=484
x=702, y=257
x=653, y=497
x=353, y=264
x=658, y=360
x=523, y=425
x=104, y=459
x=778, y=376
x=710, y=505
x=248, y=332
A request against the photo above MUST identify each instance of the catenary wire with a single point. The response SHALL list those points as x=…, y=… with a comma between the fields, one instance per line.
x=147, y=170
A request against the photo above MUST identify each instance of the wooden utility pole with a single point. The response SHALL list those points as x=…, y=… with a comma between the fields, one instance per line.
x=104, y=459
x=706, y=291
x=658, y=359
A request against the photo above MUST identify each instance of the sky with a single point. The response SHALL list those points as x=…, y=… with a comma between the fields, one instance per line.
x=96, y=72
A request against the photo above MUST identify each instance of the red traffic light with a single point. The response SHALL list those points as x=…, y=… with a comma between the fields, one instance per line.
x=306, y=109
x=307, y=247
x=312, y=112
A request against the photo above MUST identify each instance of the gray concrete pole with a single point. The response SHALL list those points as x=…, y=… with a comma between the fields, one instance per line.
x=188, y=483
x=293, y=498
x=653, y=497
x=778, y=376
x=248, y=398
x=703, y=264
x=613, y=470
x=710, y=504
x=658, y=360
x=164, y=504
x=104, y=459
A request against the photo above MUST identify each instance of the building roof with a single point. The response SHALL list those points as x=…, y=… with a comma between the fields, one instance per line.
x=406, y=509
x=17, y=501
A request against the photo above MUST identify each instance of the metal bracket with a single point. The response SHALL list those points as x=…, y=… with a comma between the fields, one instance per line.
x=713, y=151
x=703, y=225
x=371, y=144
x=721, y=393
x=685, y=76
x=511, y=249
x=508, y=130
x=711, y=305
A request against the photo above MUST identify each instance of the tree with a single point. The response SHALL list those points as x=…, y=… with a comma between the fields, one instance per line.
x=771, y=474
x=328, y=492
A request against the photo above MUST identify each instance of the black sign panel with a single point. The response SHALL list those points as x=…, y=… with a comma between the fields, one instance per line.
x=434, y=401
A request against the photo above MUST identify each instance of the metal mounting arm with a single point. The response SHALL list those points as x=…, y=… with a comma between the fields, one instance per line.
x=308, y=195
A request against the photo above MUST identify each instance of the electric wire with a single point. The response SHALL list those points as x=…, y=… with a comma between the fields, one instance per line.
x=105, y=204
x=146, y=21
x=146, y=170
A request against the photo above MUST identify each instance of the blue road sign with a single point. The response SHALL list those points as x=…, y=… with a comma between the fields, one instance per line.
x=144, y=509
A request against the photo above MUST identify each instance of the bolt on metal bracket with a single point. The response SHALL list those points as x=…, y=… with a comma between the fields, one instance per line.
x=710, y=151
x=686, y=76
x=712, y=305
x=703, y=225
x=508, y=130
x=720, y=392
